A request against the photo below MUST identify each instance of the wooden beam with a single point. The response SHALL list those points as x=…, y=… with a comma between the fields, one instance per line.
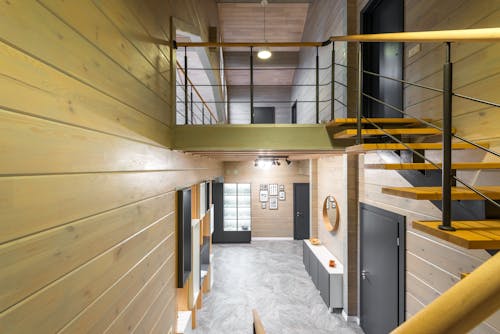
x=254, y=137
x=350, y=133
x=471, y=234
x=427, y=166
x=435, y=193
x=415, y=146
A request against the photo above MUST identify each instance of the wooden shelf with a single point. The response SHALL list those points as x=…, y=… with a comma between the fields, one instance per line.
x=379, y=121
x=427, y=166
x=362, y=148
x=435, y=193
x=350, y=133
x=471, y=234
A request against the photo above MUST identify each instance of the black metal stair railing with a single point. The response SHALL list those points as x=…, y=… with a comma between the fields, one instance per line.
x=448, y=178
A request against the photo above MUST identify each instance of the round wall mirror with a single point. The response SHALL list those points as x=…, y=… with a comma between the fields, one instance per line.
x=331, y=214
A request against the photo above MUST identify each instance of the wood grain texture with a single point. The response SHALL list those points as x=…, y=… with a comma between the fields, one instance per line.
x=87, y=242
x=481, y=234
x=435, y=193
x=427, y=166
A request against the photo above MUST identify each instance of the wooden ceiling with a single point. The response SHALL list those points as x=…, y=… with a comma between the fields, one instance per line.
x=244, y=22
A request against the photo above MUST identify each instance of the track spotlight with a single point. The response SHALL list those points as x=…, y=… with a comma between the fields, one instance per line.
x=288, y=162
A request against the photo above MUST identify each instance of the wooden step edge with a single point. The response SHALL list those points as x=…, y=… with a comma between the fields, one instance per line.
x=428, y=166
x=472, y=234
x=363, y=148
x=435, y=193
x=349, y=133
x=352, y=121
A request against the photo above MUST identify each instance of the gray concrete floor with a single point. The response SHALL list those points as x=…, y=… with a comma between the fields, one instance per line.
x=268, y=276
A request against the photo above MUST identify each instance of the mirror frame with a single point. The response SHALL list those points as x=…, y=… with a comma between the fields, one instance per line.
x=329, y=225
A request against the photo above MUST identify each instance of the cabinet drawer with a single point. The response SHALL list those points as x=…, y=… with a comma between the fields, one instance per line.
x=306, y=253
x=313, y=265
x=324, y=284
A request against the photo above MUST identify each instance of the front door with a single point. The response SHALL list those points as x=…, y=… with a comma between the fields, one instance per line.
x=382, y=269
x=300, y=211
x=381, y=16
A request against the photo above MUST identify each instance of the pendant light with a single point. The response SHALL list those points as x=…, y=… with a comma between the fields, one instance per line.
x=264, y=53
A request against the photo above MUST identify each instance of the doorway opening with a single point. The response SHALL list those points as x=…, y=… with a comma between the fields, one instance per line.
x=301, y=224
x=386, y=59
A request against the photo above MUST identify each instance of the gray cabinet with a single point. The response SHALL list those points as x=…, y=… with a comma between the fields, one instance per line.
x=326, y=279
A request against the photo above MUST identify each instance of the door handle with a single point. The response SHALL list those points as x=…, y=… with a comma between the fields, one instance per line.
x=364, y=274
x=298, y=214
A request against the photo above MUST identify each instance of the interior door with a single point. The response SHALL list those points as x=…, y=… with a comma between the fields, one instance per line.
x=382, y=269
x=263, y=115
x=381, y=16
x=294, y=113
x=301, y=211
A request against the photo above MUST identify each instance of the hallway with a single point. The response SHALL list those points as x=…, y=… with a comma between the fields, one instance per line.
x=268, y=276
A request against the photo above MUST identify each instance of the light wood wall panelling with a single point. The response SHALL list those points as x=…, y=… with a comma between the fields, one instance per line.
x=103, y=32
x=31, y=263
x=44, y=35
x=163, y=279
x=69, y=295
x=58, y=203
x=104, y=309
x=56, y=96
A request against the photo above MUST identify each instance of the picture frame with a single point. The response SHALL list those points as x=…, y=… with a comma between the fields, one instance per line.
x=263, y=205
x=263, y=196
x=273, y=203
x=263, y=187
x=282, y=187
x=282, y=195
x=273, y=189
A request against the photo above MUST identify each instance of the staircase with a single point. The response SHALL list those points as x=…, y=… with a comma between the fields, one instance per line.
x=470, y=234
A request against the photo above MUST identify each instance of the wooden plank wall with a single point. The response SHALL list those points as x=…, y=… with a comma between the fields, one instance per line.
x=265, y=222
x=87, y=182
x=325, y=18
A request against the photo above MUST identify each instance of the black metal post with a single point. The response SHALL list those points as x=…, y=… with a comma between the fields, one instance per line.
x=185, y=86
x=447, y=177
x=251, y=87
x=359, y=139
x=332, y=93
x=192, y=114
x=203, y=114
x=317, y=85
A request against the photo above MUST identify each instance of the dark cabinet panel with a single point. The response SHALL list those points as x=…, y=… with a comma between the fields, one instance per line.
x=324, y=284
x=305, y=257
x=313, y=265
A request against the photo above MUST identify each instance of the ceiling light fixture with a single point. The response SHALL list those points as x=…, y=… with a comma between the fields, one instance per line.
x=264, y=53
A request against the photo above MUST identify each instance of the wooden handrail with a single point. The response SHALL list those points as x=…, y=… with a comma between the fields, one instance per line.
x=462, y=307
x=197, y=92
x=463, y=35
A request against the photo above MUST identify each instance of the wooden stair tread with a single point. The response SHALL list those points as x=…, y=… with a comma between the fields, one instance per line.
x=349, y=133
x=380, y=121
x=362, y=148
x=470, y=234
x=427, y=166
x=435, y=193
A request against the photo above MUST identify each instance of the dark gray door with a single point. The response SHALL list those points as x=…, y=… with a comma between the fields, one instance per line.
x=301, y=211
x=294, y=113
x=381, y=16
x=382, y=269
x=263, y=115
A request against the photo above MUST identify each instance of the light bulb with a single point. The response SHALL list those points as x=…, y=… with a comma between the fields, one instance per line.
x=264, y=54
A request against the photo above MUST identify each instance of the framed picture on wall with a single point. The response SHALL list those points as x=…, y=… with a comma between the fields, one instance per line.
x=273, y=189
x=263, y=196
x=263, y=187
x=263, y=205
x=282, y=187
x=282, y=196
x=273, y=203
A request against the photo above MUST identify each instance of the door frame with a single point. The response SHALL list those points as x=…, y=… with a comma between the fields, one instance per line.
x=308, y=229
x=369, y=58
x=401, y=221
